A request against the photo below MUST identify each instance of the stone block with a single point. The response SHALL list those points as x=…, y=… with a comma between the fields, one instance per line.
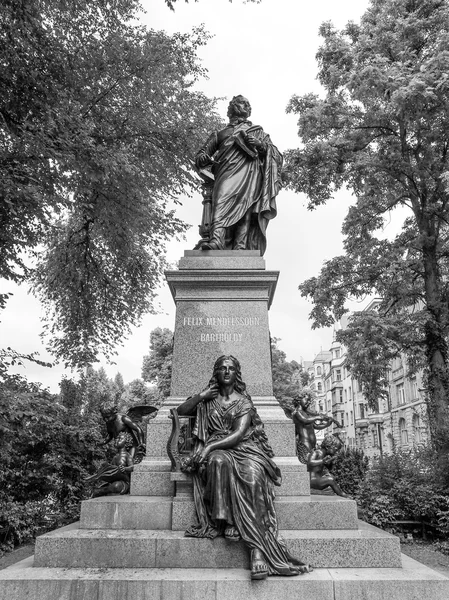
x=158, y=432
x=157, y=584
x=295, y=513
x=222, y=260
x=413, y=582
x=183, y=514
x=222, y=306
x=281, y=435
x=315, y=512
x=295, y=478
x=72, y=547
x=127, y=512
x=362, y=548
x=213, y=322
x=151, y=483
x=149, y=478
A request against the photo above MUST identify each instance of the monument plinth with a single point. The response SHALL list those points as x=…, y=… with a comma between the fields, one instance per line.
x=222, y=300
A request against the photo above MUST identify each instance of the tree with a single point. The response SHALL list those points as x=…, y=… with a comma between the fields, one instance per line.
x=138, y=392
x=99, y=124
x=288, y=376
x=97, y=388
x=382, y=130
x=46, y=451
x=157, y=365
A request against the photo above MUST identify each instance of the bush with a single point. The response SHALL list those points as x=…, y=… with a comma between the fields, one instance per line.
x=350, y=469
x=405, y=485
x=46, y=451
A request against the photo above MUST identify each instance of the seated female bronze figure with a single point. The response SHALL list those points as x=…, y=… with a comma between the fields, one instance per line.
x=234, y=474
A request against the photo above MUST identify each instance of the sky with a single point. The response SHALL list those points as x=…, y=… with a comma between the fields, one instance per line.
x=266, y=52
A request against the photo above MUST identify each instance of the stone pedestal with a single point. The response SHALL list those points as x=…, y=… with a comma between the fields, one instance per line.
x=222, y=300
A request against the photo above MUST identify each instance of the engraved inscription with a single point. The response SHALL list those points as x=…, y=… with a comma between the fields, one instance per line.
x=219, y=322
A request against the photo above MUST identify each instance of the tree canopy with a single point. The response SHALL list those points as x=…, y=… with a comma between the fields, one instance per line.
x=382, y=130
x=288, y=376
x=99, y=124
x=157, y=365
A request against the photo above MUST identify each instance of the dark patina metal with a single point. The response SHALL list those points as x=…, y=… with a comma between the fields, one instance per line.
x=234, y=473
x=241, y=170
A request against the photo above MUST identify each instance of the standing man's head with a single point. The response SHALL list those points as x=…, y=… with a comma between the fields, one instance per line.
x=239, y=107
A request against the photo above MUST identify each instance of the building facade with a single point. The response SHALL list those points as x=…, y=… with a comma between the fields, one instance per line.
x=401, y=419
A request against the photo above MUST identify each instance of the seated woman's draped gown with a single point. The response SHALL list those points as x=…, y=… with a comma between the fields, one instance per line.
x=236, y=486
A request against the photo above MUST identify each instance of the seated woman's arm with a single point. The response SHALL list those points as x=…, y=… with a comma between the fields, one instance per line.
x=188, y=408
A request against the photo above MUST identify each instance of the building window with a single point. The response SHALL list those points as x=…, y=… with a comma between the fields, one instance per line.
x=337, y=353
x=362, y=411
x=403, y=433
x=318, y=370
x=320, y=387
x=352, y=417
x=338, y=375
x=400, y=393
x=375, y=440
x=415, y=394
x=416, y=429
x=341, y=395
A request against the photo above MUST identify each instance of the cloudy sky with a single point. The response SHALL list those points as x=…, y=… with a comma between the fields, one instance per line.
x=266, y=52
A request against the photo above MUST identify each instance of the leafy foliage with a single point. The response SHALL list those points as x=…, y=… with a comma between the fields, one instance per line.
x=406, y=485
x=99, y=124
x=382, y=130
x=138, y=392
x=288, y=376
x=350, y=469
x=46, y=450
x=157, y=365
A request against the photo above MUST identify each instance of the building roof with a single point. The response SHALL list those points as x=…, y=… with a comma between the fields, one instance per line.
x=323, y=356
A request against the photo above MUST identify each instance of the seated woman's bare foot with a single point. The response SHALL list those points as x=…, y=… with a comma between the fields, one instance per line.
x=259, y=568
x=232, y=534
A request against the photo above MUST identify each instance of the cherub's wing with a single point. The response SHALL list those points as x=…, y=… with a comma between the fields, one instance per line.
x=287, y=407
x=136, y=413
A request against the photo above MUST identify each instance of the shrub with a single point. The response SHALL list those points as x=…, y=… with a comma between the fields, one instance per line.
x=46, y=451
x=350, y=469
x=405, y=485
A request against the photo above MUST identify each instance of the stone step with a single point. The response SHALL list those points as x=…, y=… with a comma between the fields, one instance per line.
x=412, y=582
x=112, y=548
x=152, y=477
x=160, y=512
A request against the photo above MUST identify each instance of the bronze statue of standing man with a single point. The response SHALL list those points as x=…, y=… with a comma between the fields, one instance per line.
x=246, y=167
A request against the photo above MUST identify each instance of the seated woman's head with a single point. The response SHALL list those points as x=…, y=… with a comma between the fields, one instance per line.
x=226, y=365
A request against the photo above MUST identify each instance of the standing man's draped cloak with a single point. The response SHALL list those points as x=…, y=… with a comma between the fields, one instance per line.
x=236, y=485
x=244, y=179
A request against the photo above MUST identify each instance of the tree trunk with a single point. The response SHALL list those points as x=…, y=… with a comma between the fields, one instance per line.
x=437, y=376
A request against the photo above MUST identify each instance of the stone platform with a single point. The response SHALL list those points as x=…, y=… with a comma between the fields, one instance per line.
x=133, y=548
x=413, y=581
x=160, y=512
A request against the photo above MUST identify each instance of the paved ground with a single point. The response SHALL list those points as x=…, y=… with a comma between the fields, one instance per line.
x=423, y=553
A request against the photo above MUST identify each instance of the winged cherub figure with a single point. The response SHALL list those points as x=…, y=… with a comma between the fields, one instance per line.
x=128, y=424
